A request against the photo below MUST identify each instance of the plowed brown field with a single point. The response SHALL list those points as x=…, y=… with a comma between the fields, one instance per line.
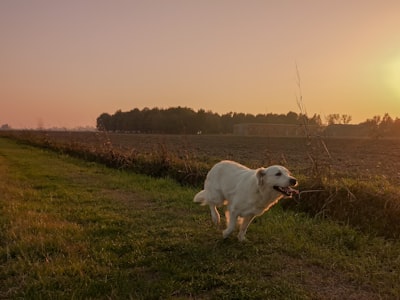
x=355, y=158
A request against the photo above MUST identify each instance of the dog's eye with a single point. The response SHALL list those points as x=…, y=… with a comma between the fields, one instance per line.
x=278, y=174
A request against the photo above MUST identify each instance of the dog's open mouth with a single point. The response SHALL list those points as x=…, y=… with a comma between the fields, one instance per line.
x=287, y=191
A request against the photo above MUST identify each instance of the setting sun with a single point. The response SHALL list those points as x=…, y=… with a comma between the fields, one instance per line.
x=392, y=76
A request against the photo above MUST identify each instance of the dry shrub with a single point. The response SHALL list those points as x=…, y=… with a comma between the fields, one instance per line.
x=371, y=205
x=366, y=206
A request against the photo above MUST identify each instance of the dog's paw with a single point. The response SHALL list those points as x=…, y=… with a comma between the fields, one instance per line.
x=225, y=233
x=242, y=238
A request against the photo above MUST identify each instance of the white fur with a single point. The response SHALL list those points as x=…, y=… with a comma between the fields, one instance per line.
x=246, y=192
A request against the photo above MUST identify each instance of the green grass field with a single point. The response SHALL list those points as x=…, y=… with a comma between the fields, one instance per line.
x=74, y=229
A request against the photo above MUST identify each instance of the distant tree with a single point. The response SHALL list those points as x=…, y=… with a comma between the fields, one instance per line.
x=315, y=120
x=227, y=122
x=5, y=127
x=200, y=121
x=134, y=120
x=292, y=118
x=332, y=119
x=119, y=121
x=239, y=118
x=386, y=125
x=345, y=119
x=213, y=123
x=103, y=122
x=373, y=126
x=382, y=126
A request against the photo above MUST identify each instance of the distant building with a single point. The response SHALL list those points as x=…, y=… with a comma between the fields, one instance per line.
x=276, y=130
x=292, y=130
x=347, y=130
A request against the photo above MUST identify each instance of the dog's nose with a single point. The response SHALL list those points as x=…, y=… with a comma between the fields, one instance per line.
x=293, y=181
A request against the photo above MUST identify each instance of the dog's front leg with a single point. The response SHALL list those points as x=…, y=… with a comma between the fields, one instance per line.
x=243, y=227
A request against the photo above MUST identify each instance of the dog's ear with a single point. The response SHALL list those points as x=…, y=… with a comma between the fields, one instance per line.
x=261, y=176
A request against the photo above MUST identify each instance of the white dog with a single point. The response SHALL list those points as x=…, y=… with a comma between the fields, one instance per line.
x=247, y=193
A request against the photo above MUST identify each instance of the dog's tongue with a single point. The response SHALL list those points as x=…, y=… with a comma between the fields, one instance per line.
x=288, y=191
x=292, y=191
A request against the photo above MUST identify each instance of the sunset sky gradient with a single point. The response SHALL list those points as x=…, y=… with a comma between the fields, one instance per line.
x=63, y=63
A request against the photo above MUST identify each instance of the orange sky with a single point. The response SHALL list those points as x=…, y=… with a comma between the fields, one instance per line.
x=63, y=63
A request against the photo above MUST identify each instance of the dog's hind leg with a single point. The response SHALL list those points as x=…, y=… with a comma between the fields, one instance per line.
x=243, y=227
x=214, y=214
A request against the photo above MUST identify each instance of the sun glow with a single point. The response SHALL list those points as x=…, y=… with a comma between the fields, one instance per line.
x=392, y=76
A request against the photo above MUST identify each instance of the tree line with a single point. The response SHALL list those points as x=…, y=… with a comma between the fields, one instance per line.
x=183, y=120
x=384, y=126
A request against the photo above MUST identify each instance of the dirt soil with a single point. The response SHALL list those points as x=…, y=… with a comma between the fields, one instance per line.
x=361, y=158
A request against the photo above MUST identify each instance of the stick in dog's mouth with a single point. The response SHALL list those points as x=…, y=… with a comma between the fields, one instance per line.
x=287, y=191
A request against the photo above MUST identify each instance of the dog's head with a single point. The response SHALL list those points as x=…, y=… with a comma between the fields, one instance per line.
x=277, y=178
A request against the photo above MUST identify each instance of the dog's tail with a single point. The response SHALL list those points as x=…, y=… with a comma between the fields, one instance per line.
x=201, y=198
